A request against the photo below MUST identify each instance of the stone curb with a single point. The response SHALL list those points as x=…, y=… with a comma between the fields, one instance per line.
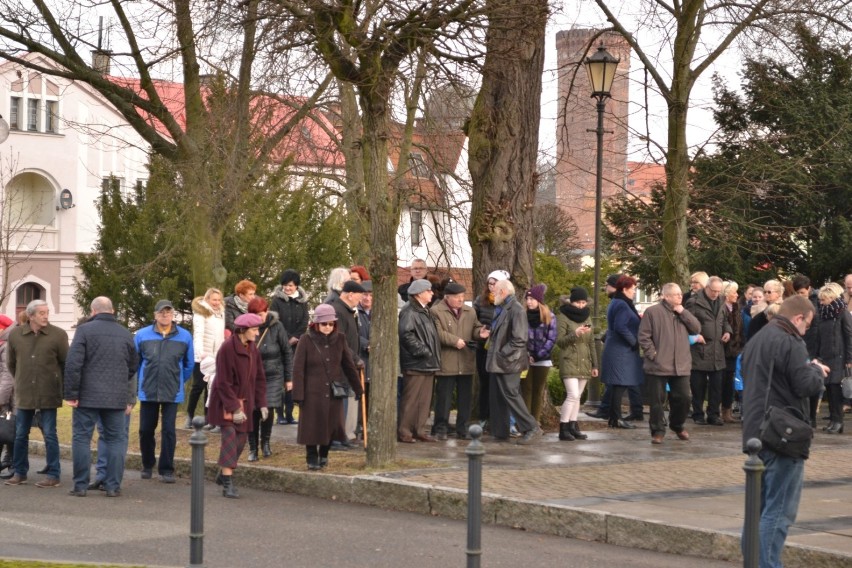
x=558, y=520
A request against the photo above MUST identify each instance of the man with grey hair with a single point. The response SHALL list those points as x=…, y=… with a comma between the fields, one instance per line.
x=100, y=385
x=664, y=338
x=36, y=358
x=708, y=352
x=507, y=358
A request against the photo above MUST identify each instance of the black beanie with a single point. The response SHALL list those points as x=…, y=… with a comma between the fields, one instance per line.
x=290, y=275
x=579, y=293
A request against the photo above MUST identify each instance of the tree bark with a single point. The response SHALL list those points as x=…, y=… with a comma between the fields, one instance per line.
x=503, y=133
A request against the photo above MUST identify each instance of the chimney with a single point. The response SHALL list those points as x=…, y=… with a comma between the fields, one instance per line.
x=101, y=61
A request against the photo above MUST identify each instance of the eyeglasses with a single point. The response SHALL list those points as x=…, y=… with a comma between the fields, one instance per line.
x=326, y=324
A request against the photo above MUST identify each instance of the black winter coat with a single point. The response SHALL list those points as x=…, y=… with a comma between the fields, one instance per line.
x=292, y=312
x=834, y=345
x=100, y=369
x=274, y=347
x=347, y=324
x=419, y=345
x=709, y=356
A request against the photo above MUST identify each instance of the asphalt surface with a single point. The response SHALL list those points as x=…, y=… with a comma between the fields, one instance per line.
x=149, y=525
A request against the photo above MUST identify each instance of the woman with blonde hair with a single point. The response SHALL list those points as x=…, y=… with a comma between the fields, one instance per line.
x=540, y=341
x=834, y=349
x=208, y=334
x=773, y=293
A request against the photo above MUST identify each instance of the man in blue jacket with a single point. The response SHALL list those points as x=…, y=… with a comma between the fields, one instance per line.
x=165, y=352
x=100, y=385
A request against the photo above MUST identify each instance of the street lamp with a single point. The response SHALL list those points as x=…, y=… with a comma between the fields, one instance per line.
x=601, y=68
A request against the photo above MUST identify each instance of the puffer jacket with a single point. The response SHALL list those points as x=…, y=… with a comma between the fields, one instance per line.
x=419, y=346
x=273, y=344
x=541, y=339
x=208, y=329
x=577, y=354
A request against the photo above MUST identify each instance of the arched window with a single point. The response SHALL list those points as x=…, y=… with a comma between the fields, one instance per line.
x=25, y=294
x=31, y=199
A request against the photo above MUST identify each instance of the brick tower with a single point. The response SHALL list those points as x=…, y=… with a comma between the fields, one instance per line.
x=576, y=121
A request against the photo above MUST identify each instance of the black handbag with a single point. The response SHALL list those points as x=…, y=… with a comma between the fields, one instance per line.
x=339, y=390
x=7, y=427
x=784, y=430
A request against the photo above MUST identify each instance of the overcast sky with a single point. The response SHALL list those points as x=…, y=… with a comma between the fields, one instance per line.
x=584, y=13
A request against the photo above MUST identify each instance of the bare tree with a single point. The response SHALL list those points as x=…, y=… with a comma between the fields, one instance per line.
x=370, y=46
x=695, y=34
x=218, y=149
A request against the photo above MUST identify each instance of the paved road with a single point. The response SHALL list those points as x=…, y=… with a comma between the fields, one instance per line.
x=150, y=524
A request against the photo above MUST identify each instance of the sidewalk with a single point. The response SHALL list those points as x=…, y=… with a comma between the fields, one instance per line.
x=615, y=487
x=683, y=498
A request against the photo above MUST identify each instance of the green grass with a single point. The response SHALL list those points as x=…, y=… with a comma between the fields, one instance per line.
x=43, y=564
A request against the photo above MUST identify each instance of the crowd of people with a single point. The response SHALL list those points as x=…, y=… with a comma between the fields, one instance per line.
x=249, y=358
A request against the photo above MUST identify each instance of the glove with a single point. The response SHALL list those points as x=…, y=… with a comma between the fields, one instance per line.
x=239, y=417
x=264, y=413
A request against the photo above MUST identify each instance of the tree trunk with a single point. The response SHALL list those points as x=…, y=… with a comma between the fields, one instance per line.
x=674, y=265
x=384, y=219
x=354, y=198
x=503, y=133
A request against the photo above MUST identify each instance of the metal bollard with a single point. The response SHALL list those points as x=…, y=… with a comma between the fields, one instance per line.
x=475, y=450
x=198, y=441
x=751, y=528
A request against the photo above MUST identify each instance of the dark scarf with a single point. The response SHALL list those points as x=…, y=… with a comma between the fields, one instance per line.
x=832, y=310
x=619, y=295
x=534, y=317
x=575, y=314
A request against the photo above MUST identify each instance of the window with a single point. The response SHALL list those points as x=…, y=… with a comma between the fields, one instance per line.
x=416, y=217
x=15, y=113
x=32, y=201
x=25, y=294
x=32, y=115
x=418, y=166
x=51, y=117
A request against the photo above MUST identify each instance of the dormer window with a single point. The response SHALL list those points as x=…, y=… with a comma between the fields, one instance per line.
x=34, y=104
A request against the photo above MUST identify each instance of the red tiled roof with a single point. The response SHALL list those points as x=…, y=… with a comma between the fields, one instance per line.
x=310, y=143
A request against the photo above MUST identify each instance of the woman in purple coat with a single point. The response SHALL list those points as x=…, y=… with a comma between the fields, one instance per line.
x=322, y=357
x=541, y=339
x=239, y=389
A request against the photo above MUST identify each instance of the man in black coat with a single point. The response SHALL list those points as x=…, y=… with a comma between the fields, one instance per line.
x=100, y=385
x=779, y=373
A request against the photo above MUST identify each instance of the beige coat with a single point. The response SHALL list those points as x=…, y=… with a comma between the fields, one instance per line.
x=455, y=361
x=664, y=339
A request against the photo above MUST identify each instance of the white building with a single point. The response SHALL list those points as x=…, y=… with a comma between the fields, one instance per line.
x=65, y=142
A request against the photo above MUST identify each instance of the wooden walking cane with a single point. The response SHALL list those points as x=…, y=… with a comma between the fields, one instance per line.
x=364, y=408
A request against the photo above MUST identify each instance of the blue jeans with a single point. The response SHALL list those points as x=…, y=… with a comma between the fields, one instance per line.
x=101, y=464
x=779, y=502
x=149, y=414
x=114, y=437
x=23, y=423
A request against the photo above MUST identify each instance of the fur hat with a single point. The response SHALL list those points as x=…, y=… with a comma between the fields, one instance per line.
x=537, y=293
x=324, y=313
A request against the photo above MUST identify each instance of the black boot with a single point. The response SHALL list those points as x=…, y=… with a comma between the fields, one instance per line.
x=835, y=428
x=264, y=447
x=252, y=457
x=574, y=428
x=565, y=432
x=228, y=489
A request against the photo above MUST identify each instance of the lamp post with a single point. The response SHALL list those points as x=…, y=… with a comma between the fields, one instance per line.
x=601, y=68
